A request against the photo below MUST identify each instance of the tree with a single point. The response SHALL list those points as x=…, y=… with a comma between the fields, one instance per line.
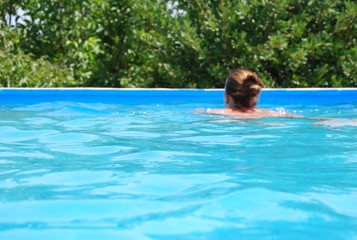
x=180, y=43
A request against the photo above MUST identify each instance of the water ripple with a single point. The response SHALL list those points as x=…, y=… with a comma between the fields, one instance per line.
x=109, y=171
x=12, y=134
x=68, y=138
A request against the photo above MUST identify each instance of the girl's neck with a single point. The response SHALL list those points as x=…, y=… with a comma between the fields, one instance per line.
x=235, y=107
x=244, y=109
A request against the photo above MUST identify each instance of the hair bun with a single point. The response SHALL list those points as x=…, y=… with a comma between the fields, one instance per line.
x=254, y=90
x=256, y=80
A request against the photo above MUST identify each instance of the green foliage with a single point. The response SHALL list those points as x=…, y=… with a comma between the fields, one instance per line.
x=182, y=43
x=65, y=32
x=21, y=70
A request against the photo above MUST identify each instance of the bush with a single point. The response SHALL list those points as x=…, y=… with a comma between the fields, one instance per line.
x=22, y=70
x=182, y=43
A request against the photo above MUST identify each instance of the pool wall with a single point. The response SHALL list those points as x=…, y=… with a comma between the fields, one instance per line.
x=111, y=95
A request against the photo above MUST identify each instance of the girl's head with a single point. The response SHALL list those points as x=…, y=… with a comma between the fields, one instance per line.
x=243, y=88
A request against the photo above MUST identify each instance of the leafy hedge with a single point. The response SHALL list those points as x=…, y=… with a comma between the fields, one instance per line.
x=182, y=43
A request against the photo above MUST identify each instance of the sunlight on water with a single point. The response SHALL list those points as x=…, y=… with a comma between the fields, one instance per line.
x=110, y=171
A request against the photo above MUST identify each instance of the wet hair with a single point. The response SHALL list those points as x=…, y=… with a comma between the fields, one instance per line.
x=244, y=88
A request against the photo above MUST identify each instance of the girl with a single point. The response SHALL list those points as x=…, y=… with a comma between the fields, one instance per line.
x=242, y=90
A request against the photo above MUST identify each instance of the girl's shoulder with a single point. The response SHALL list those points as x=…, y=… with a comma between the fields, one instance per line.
x=253, y=113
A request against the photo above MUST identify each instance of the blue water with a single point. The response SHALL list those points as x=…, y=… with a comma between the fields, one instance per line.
x=157, y=171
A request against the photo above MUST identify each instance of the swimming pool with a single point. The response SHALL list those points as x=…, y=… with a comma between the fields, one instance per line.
x=139, y=164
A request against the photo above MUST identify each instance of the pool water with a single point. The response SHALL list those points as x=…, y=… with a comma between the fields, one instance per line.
x=71, y=170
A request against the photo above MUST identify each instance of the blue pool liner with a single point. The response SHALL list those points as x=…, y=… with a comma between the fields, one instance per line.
x=135, y=96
